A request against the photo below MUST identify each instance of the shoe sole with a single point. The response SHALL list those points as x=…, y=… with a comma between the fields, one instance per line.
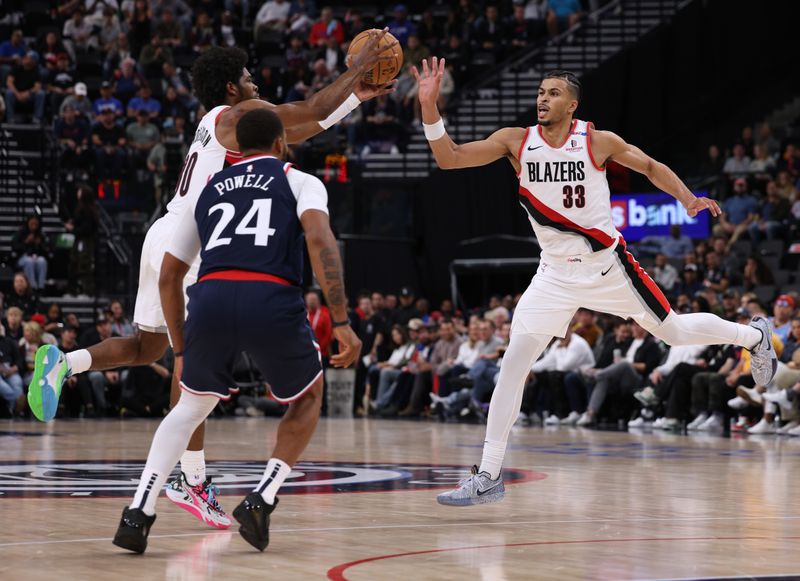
x=130, y=542
x=767, y=339
x=249, y=529
x=196, y=512
x=472, y=500
x=42, y=396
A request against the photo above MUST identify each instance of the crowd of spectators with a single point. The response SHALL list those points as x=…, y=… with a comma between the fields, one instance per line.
x=111, y=77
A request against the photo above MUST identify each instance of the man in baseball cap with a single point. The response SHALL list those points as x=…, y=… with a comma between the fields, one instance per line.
x=783, y=311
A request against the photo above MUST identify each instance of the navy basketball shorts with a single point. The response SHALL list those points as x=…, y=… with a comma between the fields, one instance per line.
x=267, y=320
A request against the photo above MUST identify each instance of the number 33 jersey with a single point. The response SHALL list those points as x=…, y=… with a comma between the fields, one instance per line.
x=565, y=193
x=248, y=218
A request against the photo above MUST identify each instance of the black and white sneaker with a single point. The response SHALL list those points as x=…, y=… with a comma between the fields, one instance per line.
x=134, y=526
x=253, y=516
x=763, y=360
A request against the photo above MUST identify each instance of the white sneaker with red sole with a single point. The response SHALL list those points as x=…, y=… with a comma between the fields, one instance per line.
x=199, y=500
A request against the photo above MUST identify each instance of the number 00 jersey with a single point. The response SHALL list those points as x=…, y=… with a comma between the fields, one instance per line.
x=566, y=193
x=248, y=218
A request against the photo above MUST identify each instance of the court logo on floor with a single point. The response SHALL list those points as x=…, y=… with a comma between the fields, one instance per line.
x=109, y=478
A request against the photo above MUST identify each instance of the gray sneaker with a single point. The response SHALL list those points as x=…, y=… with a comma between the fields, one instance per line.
x=478, y=488
x=764, y=362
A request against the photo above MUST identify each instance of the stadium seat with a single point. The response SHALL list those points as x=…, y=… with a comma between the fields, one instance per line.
x=742, y=248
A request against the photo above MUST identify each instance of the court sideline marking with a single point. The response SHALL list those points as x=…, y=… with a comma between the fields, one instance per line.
x=437, y=525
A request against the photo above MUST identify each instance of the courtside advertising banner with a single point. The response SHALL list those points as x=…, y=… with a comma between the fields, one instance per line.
x=653, y=214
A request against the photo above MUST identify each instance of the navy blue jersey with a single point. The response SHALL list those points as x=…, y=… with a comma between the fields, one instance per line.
x=247, y=220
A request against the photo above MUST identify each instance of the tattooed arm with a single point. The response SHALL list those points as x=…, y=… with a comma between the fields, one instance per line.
x=327, y=266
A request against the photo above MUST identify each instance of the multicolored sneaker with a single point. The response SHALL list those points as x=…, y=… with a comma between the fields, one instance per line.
x=50, y=371
x=200, y=500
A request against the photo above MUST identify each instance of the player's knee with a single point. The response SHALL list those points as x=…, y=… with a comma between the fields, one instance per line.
x=312, y=399
x=670, y=332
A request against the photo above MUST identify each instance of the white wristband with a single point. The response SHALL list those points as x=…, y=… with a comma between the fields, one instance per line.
x=341, y=111
x=434, y=131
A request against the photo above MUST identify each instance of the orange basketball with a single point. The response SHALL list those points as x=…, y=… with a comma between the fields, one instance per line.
x=383, y=71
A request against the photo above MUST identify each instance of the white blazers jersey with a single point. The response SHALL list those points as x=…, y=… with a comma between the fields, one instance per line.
x=566, y=193
x=206, y=157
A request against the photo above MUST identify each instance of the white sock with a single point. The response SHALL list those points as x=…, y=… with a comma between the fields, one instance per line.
x=193, y=465
x=169, y=441
x=523, y=350
x=492, y=460
x=79, y=361
x=274, y=475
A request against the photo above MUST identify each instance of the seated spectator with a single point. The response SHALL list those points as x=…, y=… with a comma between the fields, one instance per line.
x=716, y=277
x=738, y=165
x=120, y=324
x=773, y=217
x=738, y=212
x=415, y=52
x=756, y=273
x=54, y=320
x=452, y=379
x=101, y=383
x=296, y=54
x=762, y=167
x=302, y=15
x=456, y=53
x=62, y=81
x=401, y=27
x=11, y=366
x=706, y=401
x=227, y=29
x=545, y=391
x=625, y=376
x=29, y=344
x=442, y=359
x=107, y=100
x=383, y=130
x=520, y=30
x=169, y=32
x=202, y=36
x=665, y=275
x=12, y=51
x=153, y=57
x=690, y=281
x=268, y=83
x=141, y=137
x=490, y=32
x=401, y=390
x=429, y=30
x=382, y=375
x=785, y=186
x=563, y=15
x=79, y=101
x=84, y=225
x=144, y=101
x=128, y=80
x=109, y=31
x=333, y=56
x=676, y=245
x=72, y=132
x=108, y=140
x=31, y=247
x=12, y=324
x=585, y=326
x=180, y=9
x=177, y=79
x=789, y=161
x=119, y=53
x=77, y=33
x=24, y=89
x=145, y=391
x=783, y=313
x=536, y=12
x=272, y=16
x=326, y=26
x=140, y=26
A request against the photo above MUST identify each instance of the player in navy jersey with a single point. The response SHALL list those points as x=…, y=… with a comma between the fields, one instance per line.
x=248, y=228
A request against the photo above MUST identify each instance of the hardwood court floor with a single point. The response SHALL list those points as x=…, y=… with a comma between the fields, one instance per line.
x=589, y=505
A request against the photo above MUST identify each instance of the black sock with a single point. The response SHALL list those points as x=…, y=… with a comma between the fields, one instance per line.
x=790, y=394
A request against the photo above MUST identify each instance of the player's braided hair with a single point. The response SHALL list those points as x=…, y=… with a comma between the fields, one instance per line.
x=212, y=72
x=570, y=78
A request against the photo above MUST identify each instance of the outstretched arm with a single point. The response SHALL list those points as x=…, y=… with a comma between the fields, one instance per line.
x=610, y=146
x=449, y=154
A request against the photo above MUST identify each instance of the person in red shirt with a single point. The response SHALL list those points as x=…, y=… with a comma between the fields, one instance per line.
x=320, y=318
x=326, y=27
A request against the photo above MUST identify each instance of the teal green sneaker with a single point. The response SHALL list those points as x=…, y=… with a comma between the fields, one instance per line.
x=48, y=376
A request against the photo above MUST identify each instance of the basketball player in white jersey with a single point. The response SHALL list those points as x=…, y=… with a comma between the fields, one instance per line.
x=226, y=89
x=584, y=261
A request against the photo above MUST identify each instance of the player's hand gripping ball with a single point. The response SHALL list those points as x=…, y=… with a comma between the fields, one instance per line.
x=390, y=60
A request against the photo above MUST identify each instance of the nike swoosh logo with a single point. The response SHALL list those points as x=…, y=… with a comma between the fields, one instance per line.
x=534, y=148
x=482, y=492
x=606, y=272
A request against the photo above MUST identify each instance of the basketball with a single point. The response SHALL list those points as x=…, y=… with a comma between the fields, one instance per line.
x=383, y=71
